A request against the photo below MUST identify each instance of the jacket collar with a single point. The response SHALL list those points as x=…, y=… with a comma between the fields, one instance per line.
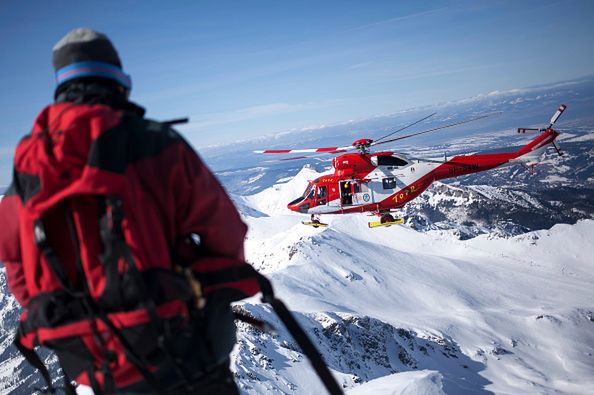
x=97, y=93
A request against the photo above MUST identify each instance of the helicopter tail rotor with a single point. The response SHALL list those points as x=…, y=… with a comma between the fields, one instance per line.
x=557, y=115
x=554, y=119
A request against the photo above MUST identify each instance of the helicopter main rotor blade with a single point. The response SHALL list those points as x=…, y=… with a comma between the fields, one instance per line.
x=329, y=150
x=434, y=129
x=335, y=150
x=405, y=127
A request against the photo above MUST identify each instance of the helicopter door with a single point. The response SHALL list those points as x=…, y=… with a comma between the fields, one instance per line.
x=346, y=193
x=321, y=196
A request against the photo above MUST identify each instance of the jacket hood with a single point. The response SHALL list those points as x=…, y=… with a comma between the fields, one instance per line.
x=97, y=91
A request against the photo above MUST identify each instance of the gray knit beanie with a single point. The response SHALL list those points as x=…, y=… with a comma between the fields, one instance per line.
x=86, y=53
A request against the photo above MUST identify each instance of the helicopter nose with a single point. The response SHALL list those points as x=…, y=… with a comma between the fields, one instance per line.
x=299, y=205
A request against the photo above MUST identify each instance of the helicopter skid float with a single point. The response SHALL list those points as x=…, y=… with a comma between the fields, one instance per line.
x=380, y=182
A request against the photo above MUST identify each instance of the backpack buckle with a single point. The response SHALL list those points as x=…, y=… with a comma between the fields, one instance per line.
x=39, y=233
x=115, y=214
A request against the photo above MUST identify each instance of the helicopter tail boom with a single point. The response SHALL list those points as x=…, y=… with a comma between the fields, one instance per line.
x=531, y=152
x=527, y=155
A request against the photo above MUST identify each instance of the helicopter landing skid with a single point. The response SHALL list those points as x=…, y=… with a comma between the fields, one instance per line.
x=315, y=224
x=377, y=224
x=386, y=219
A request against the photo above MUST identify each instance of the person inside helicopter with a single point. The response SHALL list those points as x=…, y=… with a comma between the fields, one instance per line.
x=321, y=195
x=346, y=193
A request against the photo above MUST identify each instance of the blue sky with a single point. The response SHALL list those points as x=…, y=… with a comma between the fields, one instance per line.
x=242, y=69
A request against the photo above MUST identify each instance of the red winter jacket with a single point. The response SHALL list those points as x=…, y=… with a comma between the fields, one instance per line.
x=95, y=231
x=169, y=186
x=77, y=152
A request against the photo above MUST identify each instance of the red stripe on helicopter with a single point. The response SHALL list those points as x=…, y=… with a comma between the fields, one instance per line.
x=542, y=144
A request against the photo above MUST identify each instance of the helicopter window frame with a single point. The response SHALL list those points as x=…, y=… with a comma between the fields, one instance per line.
x=307, y=191
x=389, y=183
x=385, y=160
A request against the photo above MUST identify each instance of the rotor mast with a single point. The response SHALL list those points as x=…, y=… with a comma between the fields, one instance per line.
x=362, y=145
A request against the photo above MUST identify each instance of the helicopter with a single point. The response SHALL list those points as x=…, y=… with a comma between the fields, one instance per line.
x=380, y=182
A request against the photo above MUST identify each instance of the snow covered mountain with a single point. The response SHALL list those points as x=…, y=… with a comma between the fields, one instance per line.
x=487, y=288
x=511, y=200
x=402, y=311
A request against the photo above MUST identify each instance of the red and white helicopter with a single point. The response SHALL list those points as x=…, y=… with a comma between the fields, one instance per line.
x=382, y=181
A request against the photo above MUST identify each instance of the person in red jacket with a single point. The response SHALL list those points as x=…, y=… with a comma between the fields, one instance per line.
x=93, y=140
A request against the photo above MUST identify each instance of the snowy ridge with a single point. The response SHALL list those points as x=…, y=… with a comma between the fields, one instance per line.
x=359, y=349
x=274, y=200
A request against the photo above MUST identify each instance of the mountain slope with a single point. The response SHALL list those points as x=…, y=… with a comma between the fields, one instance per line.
x=516, y=314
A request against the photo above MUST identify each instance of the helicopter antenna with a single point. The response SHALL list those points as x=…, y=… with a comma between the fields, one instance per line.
x=438, y=128
x=405, y=127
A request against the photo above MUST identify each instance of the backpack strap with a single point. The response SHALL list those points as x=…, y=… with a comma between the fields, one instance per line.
x=114, y=241
x=33, y=359
x=50, y=255
x=299, y=335
x=281, y=310
x=95, y=311
x=306, y=345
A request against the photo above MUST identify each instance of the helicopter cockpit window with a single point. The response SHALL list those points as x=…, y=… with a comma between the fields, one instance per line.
x=389, y=183
x=308, y=190
x=311, y=194
x=321, y=192
x=390, y=161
